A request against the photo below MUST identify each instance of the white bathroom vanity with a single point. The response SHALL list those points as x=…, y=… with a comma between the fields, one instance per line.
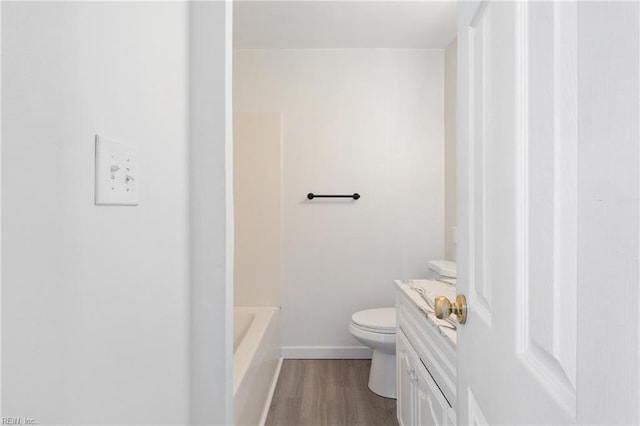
x=425, y=355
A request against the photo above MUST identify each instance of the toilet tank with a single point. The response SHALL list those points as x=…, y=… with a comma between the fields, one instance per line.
x=441, y=270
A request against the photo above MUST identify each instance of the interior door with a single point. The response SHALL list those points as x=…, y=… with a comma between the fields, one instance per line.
x=539, y=212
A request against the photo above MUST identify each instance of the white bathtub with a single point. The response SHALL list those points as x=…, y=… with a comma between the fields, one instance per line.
x=256, y=363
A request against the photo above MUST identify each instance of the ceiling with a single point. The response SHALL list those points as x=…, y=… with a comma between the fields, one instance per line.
x=308, y=24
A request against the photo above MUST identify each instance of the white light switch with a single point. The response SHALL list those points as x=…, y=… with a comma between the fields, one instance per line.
x=116, y=173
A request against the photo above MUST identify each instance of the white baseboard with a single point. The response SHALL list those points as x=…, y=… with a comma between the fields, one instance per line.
x=326, y=352
x=272, y=390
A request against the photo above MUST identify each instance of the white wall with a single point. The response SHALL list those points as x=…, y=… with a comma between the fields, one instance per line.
x=354, y=120
x=257, y=178
x=95, y=300
x=450, y=169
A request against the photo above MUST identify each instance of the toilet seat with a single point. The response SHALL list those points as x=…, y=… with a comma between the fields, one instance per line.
x=380, y=320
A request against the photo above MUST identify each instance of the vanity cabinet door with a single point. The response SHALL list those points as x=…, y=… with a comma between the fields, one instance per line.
x=405, y=378
x=431, y=407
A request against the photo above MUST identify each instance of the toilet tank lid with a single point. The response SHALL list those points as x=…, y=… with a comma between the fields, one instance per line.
x=383, y=319
x=444, y=268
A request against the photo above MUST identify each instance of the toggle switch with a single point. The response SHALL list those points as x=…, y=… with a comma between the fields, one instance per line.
x=111, y=187
x=114, y=169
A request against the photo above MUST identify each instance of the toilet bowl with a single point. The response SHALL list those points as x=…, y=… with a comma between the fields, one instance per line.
x=376, y=328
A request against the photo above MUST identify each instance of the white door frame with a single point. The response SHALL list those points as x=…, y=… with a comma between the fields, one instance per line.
x=211, y=212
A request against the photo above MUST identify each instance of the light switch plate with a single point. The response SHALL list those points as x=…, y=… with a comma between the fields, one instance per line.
x=116, y=173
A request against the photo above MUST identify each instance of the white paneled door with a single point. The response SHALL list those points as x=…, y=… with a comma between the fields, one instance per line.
x=522, y=231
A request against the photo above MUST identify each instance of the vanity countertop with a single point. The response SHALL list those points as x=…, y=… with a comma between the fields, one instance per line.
x=431, y=290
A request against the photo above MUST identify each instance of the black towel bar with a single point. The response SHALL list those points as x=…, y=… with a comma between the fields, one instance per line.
x=311, y=196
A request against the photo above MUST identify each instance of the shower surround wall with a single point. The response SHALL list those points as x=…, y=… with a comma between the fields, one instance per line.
x=353, y=120
x=257, y=180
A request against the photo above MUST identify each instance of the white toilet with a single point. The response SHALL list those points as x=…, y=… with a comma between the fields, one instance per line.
x=442, y=270
x=376, y=328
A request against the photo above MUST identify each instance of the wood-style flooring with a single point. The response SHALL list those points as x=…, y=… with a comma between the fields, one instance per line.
x=328, y=392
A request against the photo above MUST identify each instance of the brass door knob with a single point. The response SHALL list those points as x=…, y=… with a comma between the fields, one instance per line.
x=443, y=308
